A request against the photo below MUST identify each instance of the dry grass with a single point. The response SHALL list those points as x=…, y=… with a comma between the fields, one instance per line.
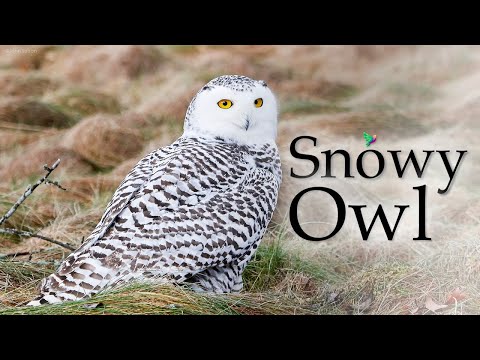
x=32, y=112
x=100, y=108
x=102, y=141
x=393, y=286
x=93, y=64
x=170, y=300
x=79, y=103
x=27, y=164
x=21, y=84
x=264, y=280
x=11, y=138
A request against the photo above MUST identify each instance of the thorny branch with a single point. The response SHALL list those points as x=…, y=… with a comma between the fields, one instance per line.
x=23, y=197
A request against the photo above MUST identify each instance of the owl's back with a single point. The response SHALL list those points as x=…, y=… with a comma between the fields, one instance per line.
x=194, y=211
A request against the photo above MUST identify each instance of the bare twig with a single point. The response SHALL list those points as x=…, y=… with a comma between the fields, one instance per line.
x=22, y=198
x=29, y=191
x=24, y=253
x=15, y=254
x=38, y=236
x=55, y=183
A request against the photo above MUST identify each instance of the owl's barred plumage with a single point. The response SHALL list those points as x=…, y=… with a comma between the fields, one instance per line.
x=194, y=211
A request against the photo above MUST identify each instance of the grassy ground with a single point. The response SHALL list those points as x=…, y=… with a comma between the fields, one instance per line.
x=276, y=283
x=100, y=109
x=265, y=274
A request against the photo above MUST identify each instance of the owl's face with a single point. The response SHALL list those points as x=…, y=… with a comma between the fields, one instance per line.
x=234, y=107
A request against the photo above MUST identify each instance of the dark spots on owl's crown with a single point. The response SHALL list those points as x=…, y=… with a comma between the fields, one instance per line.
x=234, y=82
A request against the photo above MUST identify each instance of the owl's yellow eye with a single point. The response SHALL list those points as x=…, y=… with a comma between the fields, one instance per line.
x=225, y=104
x=258, y=102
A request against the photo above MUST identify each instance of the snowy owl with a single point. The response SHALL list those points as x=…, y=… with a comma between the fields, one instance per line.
x=192, y=212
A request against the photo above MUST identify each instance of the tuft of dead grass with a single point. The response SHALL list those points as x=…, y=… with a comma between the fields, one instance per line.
x=79, y=103
x=101, y=140
x=32, y=112
x=31, y=162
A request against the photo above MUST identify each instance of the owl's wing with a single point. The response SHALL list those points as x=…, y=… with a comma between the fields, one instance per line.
x=221, y=230
x=199, y=208
x=128, y=189
x=210, y=228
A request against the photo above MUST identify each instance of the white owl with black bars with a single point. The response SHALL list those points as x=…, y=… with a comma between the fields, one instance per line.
x=192, y=212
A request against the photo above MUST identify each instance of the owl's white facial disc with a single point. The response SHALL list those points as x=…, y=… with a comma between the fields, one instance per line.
x=234, y=107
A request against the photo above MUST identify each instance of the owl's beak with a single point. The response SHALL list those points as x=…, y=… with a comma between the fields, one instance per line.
x=247, y=123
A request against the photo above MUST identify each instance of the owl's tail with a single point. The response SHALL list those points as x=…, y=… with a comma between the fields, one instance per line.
x=59, y=287
x=48, y=295
x=78, y=277
x=45, y=299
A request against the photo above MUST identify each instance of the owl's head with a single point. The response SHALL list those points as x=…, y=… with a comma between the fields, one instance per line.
x=234, y=107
